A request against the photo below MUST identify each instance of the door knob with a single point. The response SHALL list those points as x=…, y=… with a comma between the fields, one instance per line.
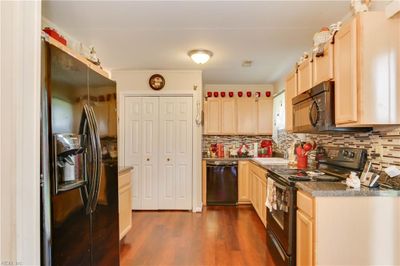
x=148, y=159
x=167, y=159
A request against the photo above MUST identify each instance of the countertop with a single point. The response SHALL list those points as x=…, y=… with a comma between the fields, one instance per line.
x=324, y=189
x=124, y=169
x=338, y=189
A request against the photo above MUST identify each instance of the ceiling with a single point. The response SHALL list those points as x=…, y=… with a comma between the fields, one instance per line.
x=158, y=34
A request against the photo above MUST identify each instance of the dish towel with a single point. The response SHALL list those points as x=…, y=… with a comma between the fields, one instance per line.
x=271, y=195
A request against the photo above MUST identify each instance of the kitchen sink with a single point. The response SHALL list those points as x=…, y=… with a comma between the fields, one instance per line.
x=271, y=160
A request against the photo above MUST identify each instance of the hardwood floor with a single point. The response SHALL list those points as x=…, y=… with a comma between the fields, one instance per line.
x=218, y=236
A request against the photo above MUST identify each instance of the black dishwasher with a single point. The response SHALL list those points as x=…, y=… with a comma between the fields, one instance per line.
x=222, y=182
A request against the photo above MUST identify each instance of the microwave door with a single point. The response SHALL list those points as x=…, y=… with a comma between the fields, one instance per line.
x=301, y=116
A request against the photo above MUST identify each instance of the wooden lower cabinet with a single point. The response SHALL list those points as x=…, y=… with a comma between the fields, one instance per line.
x=243, y=183
x=124, y=203
x=305, y=230
x=304, y=239
x=258, y=190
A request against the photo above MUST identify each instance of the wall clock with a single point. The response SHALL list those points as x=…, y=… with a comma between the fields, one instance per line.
x=157, y=82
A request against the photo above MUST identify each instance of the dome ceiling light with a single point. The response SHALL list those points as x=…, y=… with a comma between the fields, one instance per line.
x=200, y=56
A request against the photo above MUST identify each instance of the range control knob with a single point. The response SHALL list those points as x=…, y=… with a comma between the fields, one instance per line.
x=345, y=153
x=351, y=154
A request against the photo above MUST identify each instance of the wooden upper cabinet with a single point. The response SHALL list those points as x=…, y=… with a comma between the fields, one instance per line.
x=323, y=65
x=290, y=92
x=228, y=115
x=367, y=63
x=246, y=116
x=345, y=74
x=304, y=76
x=265, y=116
x=212, y=116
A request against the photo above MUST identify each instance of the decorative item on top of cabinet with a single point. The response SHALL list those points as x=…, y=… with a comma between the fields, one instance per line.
x=367, y=71
x=304, y=75
x=290, y=93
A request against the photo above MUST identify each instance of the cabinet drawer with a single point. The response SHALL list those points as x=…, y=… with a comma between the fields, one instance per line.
x=124, y=179
x=305, y=203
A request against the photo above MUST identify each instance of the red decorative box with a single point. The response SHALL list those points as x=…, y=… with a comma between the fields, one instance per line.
x=215, y=93
x=240, y=94
x=248, y=94
x=222, y=94
x=231, y=94
x=54, y=34
x=268, y=93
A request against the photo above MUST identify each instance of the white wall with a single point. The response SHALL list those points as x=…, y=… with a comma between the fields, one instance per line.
x=177, y=82
x=19, y=132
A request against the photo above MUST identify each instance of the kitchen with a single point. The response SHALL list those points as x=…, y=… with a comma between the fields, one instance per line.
x=174, y=123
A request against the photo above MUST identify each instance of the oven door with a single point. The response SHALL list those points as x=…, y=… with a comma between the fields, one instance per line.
x=281, y=219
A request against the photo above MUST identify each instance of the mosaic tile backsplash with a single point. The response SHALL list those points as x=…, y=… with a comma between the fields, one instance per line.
x=383, y=144
x=230, y=141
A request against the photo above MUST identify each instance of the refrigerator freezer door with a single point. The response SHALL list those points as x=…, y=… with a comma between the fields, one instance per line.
x=105, y=222
x=67, y=93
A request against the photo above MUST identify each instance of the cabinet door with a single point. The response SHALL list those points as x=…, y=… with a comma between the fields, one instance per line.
x=243, y=181
x=304, y=239
x=228, y=116
x=124, y=204
x=265, y=115
x=304, y=73
x=291, y=91
x=262, y=204
x=175, y=153
x=246, y=116
x=323, y=65
x=346, y=74
x=212, y=116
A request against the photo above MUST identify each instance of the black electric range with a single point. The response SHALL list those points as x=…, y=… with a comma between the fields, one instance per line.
x=335, y=165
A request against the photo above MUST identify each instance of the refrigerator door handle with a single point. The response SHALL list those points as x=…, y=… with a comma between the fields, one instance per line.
x=87, y=127
x=98, y=163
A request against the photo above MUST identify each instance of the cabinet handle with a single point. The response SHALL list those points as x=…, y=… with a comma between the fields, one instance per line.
x=148, y=159
x=167, y=159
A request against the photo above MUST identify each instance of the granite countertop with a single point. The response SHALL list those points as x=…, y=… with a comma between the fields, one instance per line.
x=124, y=169
x=228, y=159
x=339, y=189
x=324, y=189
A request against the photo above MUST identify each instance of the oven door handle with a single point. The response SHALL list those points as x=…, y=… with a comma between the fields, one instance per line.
x=279, y=186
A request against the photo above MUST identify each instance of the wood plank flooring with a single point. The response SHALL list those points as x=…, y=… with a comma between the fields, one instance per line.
x=220, y=235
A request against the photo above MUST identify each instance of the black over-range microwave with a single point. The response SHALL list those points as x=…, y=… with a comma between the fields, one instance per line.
x=314, y=111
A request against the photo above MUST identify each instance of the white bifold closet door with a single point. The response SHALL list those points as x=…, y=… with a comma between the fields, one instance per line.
x=158, y=144
x=141, y=149
x=175, y=171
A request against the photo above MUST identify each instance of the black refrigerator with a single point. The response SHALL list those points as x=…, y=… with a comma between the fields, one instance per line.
x=79, y=165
